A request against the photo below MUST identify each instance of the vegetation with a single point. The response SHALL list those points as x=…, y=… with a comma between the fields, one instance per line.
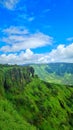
x=28, y=103
x=61, y=73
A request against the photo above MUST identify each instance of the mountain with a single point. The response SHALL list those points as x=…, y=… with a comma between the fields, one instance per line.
x=28, y=103
x=61, y=73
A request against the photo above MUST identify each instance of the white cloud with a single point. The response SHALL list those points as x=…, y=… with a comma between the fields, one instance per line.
x=18, y=39
x=61, y=54
x=22, y=58
x=15, y=31
x=9, y=4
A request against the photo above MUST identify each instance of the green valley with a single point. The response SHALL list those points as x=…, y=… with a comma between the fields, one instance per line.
x=61, y=73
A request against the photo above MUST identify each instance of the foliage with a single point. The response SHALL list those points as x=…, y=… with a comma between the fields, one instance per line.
x=28, y=103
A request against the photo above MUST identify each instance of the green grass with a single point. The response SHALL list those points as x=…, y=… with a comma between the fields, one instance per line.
x=10, y=119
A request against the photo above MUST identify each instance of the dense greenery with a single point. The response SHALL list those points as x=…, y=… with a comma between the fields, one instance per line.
x=61, y=73
x=27, y=103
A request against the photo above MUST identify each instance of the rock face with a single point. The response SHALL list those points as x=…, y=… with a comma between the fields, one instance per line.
x=15, y=76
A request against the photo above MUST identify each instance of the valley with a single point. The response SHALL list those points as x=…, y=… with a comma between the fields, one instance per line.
x=61, y=73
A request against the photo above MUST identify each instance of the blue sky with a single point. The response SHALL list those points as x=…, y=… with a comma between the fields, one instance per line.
x=39, y=31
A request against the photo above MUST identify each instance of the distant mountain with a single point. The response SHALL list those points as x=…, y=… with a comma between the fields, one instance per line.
x=55, y=72
x=28, y=103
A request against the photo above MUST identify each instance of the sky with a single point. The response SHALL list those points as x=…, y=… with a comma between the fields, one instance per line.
x=36, y=31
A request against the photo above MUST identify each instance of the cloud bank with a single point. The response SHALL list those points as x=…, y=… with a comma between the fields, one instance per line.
x=61, y=54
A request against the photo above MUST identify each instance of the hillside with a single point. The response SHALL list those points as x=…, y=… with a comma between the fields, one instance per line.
x=61, y=73
x=28, y=103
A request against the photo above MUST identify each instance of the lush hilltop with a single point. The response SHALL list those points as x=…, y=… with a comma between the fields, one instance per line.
x=61, y=73
x=27, y=103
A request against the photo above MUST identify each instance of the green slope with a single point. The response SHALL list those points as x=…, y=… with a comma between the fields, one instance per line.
x=61, y=73
x=27, y=103
x=10, y=119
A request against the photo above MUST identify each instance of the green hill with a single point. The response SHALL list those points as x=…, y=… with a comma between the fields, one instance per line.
x=28, y=103
x=61, y=73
